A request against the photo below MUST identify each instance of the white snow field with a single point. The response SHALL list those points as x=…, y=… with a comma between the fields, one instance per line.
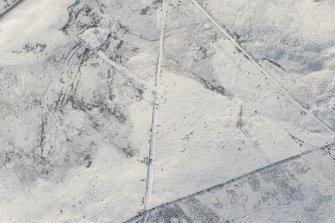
x=167, y=111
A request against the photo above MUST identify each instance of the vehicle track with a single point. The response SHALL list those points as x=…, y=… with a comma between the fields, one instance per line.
x=255, y=144
x=119, y=67
x=152, y=146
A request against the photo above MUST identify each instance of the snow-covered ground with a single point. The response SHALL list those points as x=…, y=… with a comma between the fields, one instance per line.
x=7, y=5
x=297, y=36
x=167, y=111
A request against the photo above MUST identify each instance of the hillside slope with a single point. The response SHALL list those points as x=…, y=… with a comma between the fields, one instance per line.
x=167, y=111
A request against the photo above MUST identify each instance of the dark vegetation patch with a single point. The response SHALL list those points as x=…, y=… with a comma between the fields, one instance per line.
x=31, y=48
x=274, y=63
x=213, y=87
x=329, y=150
x=53, y=166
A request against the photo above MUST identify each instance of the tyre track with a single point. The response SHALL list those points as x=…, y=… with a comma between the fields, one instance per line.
x=120, y=68
x=255, y=144
x=152, y=146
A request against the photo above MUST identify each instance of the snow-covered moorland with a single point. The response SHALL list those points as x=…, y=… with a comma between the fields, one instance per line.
x=167, y=111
